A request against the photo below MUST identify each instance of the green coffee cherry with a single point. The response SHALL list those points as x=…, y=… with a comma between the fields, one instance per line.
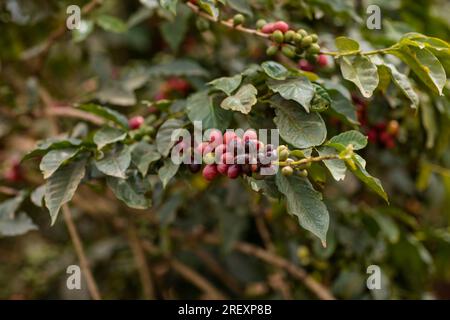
x=209, y=158
x=287, y=171
x=301, y=173
x=202, y=24
x=272, y=50
x=302, y=32
x=306, y=42
x=288, y=51
x=278, y=36
x=314, y=37
x=283, y=155
x=289, y=35
x=314, y=48
x=238, y=19
x=260, y=23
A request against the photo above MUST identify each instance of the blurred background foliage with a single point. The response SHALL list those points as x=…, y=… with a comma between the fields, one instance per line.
x=125, y=54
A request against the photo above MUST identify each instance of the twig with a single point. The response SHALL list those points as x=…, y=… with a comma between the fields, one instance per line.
x=74, y=113
x=299, y=273
x=8, y=191
x=307, y=160
x=92, y=285
x=197, y=279
x=141, y=263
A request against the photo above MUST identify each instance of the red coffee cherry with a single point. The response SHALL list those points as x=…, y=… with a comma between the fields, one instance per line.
x=305, y=65
x=268, y=28
x=204, y=148
x=234, y=171
x=215, y=137
x=178, y=84
x=222, y=168
x=322, y=60
x=194, y=167
x=227, y=158
x=210, y=172
x=281, y=25
x=228, y=136
x=136, y=122
x=250, y=134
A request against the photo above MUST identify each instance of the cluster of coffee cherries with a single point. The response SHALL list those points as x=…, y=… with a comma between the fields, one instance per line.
x=382, y=133
x=231, y=155
x=292, y=44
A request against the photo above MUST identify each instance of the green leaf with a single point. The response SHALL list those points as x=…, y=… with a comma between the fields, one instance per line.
x=180, y=68
x=114, y=92
x=305, y=203
x=201, y=107
x=227, y=84
x=142, y=155
x=403, y=83
x=362, y=72
x=429, y=123
x=210, y=7
x=164, y=140
x=45, y=146
x=61, y=186
x=241, y=6
x=373, y=183
x=343, y=107
x=344, y=44
x=321, y=100
x=170, y=5
x=54, y=159
x=37, y=196
x=106, y=113
x=9, y=207
x=16, y=226
x=131, y=191
x=336, y=167
x=115, y=163
x=298, y=89
x=111, y=24
x=356, y=138
x=242, y=100
x=167, y=171
x=387, y=226
x=275, y=70
x=301, y=129
x=108, y=135
x=175, y=31
x=425, y=65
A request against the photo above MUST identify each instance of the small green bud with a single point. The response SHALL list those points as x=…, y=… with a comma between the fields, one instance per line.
x=289, y=35
x=238, y=19
x=288, y=51
x=202, y=24
x=306, y=42
x=260, y=23
x=314, y=37
x=278, y=36
x=272, y=50
x=297, y=38
x=287, y=171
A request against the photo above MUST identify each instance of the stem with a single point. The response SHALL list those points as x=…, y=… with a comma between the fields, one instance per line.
x=307, y=160
x=84, y=263
x=356, y=52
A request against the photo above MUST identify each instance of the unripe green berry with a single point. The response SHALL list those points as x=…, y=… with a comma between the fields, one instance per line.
x=306, y=42
x=283, y=155
x=238, y=19
x=314, y=37
x=302, y=32
x=287, y=171
x=297, y=38
x=260, y=23
x=288, y=51
x=314, y=48
x=278, y=36
x=289, y=35
x=202, y=24
x=272, y=50
x=302, y=173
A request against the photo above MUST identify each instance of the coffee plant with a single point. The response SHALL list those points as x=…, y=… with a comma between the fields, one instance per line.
x=224, y=149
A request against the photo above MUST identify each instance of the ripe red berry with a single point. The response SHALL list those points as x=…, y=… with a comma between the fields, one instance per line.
x=204, y=148
x=215, y=137
x=322, y=60
x=194, y=167
x=220, y=150
x=228, y=136
x=136, y=122
x=161, y=96
x=250, y=134
x=372, y=136
x=268, y=28
x=210, y=172
x=234, y=171
x=281, y=25
x=178, y=84
x=305, y=65
x=222, y=168
x=227, y=158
